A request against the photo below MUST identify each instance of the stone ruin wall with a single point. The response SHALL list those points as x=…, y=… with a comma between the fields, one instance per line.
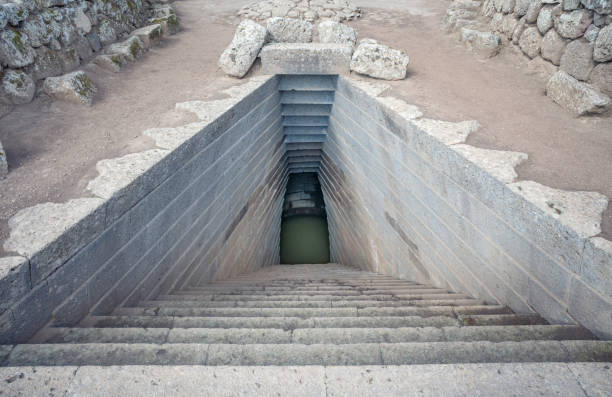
x=45, y=38
x=574, y=36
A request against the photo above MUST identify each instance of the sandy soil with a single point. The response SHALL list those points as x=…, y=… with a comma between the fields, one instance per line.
x=52, y=148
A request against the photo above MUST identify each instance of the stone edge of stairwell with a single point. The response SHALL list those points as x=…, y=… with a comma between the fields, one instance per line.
x=565, y=224
x=47, y=235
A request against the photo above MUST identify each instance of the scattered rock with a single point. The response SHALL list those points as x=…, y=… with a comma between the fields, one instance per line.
x=553, y=46
x=238, y=57
x=149, y=35
x=132, y=48
x=15, y=49
x=530, y=42
x=3, y=163
x=578, y=97
x=577, y=59
x=580, y=211
x=601, y=77
x=112, y=63
x=603, y=45
x=289, y=30
x=17, y=88
x=75, y=87
x=379, y=61
x=572, y=25
x=485, y=43
x=335, y=32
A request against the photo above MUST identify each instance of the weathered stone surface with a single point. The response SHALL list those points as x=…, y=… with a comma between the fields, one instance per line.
x=170, y=24
x=601, y=77
x=569, y=5
x=599, y=6
x=238, y=57
x=106, y=32
x=448, y=132
x=338, y=10
x=34, y=229
x=206, y=110
x=533, y=11
x=407, y=111
x=335, y=32
x=17, y=88
x=306, y=58
x=577, y=59
x=545, y=19
x=518, y=30
x=289, y=30
x=112, y=63
x=530, y=42
x=591, y=33
x=371, y=88
x=14, y=280
x=603, y=45
x=498, y=163
x=81, y=20
x=171, y=138
x=150, y=35
x=508, y=6
x=485, y=43
x=380, y=61
x=496, y=22
x=115, y=174
x=553, y=46
x=37, y=381
x=75, y=87
x=508, y=25
x=3, y=163
x=572, y=25
x=521, y=7
x=132, y=48
x=15, y=49
x=541, y=67
x=580, y=211
x=576, y=96
x=461, y=13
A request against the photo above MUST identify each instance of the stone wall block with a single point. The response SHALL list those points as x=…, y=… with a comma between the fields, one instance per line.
x=603, y=45
x=530, y=42
x=578, y=97
x=553, y=46
x=601, y=77
x=577, y=59
x=572, y=25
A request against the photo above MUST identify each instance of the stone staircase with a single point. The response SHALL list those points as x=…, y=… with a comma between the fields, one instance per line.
x=309, y=315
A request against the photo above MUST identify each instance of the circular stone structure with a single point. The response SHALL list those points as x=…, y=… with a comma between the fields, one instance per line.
x=339, y=10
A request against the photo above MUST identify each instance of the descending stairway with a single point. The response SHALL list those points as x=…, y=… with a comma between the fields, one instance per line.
x=306, y=315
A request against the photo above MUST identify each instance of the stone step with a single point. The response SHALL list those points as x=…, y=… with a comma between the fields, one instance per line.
x=451, y=311
x=305, y=152
x=306, y=121
x=312, y=292
x=298, y=354
x=304, y=146
x=307, y=97
x=266, y=322
x=311, y=138
x=303, y=159
x=305, y=110
x=501, y=319
x=307, y=83
x=311, y=336
x=221, y=297
x=304, y=170
x=304, y=164
x=311, y=304
x=302, y=130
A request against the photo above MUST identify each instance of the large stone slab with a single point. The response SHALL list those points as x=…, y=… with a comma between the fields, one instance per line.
x=238, y=57
x=576, y=96
x=498, y=163
x=75, y=87
x=306, y=58
x=379, y=61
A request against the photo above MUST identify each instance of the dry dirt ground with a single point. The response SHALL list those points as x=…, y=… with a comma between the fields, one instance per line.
x=52, y=148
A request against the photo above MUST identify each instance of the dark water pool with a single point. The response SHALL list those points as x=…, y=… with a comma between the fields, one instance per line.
x=304, y=239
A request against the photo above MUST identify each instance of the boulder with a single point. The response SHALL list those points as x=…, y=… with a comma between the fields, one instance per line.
x=601, y=77
x=336, y=32
x=533, y=11
x=17, y=88
x=149, y=35
x=289, y=30
x=553, y=46
x=238, y=57
x=530, y=42
x=577, y=59
x=485, y=43
x=169, y=24
x=603, y=45
x=379, y=61
x=75, y=87
x=112, y=63
x=599, y=6
x=545, y=19
x=3, y=163
x=15, y=49
x=572, y=25
x=132, y=48
x=578, y=97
